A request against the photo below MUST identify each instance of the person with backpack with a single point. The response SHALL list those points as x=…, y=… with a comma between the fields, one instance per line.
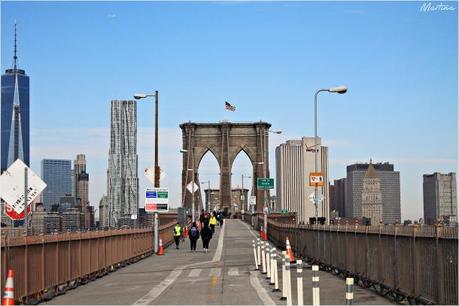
x=177, y=234
x=194, y=236
x=206, y=235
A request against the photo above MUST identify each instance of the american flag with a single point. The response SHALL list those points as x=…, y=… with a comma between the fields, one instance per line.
x=229, y=107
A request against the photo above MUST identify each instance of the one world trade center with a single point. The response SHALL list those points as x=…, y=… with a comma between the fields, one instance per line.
x=15, y=119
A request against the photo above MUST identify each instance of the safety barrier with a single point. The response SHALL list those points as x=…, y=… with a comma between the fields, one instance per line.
x=48, y=265
x=413, y=263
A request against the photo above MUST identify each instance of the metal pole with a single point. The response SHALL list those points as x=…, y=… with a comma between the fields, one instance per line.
x=156, y=234
x=157, y=182
x=26, y=219
x=193, y=218
x=207, y=200
x=316, y=196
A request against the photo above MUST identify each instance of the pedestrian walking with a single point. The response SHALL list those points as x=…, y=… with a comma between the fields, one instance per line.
x=177, y=234
x=213, y=222
x=206, y=235
x=220, y=219
x=194, y=236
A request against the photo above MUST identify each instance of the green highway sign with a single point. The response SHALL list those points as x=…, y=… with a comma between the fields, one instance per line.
x=265, y=183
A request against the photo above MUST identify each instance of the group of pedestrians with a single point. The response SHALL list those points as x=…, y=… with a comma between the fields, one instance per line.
x=204, y=229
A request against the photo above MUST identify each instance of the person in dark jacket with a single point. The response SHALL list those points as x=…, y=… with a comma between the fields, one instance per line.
x=206, y=235
x=194, y=236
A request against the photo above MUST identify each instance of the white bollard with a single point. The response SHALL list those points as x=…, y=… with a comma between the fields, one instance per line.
x=349, y=290
x=276, y=273
x=299, y=281
x=255, y=254
x=284, y=278
x=272, y=280
x=263, y=258
x=288, y=279
x=315, y=286
x=268, y=260
x=258, y=253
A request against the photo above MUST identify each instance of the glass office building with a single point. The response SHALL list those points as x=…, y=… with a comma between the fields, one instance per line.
x=57, y=175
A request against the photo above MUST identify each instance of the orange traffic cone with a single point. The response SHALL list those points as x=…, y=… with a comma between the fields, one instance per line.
x=8, y=296
x=185, y=232
x=289, y=250
x=262, y=233
x=161, y=249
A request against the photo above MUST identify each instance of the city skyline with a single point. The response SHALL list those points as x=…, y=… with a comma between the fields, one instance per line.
x=404, y=102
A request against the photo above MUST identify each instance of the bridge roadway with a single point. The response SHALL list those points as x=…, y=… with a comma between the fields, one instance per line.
x=223, y=276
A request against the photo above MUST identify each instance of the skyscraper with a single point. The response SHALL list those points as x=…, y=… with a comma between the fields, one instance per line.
x=122, y=162
x=389, y=184
x=294, y=162
x=372, y=204
x=15, y=121
x=57, y=175
x=339, y=197
x=81, y=181
x=440, y=197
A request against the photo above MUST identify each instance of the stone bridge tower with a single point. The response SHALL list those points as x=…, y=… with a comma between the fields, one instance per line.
x=225, y=140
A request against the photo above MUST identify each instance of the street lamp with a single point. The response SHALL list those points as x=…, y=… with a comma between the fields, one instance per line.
x=139, y=96
x=183, y=151
x=339, y=90
x=207, y=197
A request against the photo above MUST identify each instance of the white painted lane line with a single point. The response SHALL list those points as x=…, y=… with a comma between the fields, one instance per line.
x=156, y=291
x=260, y=290
x=172, y=277
x=218, y=252
x=195, y=273
x=216, y=272
x=233, y=271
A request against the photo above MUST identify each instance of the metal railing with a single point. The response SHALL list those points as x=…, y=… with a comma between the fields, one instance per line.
x=418, y=264
x=47, y=265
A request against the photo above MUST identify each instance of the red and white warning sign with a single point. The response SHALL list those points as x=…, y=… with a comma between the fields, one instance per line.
x=316, y=179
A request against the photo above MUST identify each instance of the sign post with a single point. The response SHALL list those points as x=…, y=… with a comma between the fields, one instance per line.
x=156, y=200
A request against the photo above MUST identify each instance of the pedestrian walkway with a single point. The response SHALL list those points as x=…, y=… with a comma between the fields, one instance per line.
x=224, y=276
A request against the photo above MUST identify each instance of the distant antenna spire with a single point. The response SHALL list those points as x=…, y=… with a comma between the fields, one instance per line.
x=15, y=58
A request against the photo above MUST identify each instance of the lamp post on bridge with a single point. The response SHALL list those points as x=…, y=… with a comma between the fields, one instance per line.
x=339, y=90
x=193, y=214
x=156, y=184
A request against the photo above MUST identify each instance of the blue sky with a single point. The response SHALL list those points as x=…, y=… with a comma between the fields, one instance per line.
x=267, y=58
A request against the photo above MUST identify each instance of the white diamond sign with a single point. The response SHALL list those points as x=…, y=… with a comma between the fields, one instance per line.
x=150, y=174
x=12, y=182
x=190, y=187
